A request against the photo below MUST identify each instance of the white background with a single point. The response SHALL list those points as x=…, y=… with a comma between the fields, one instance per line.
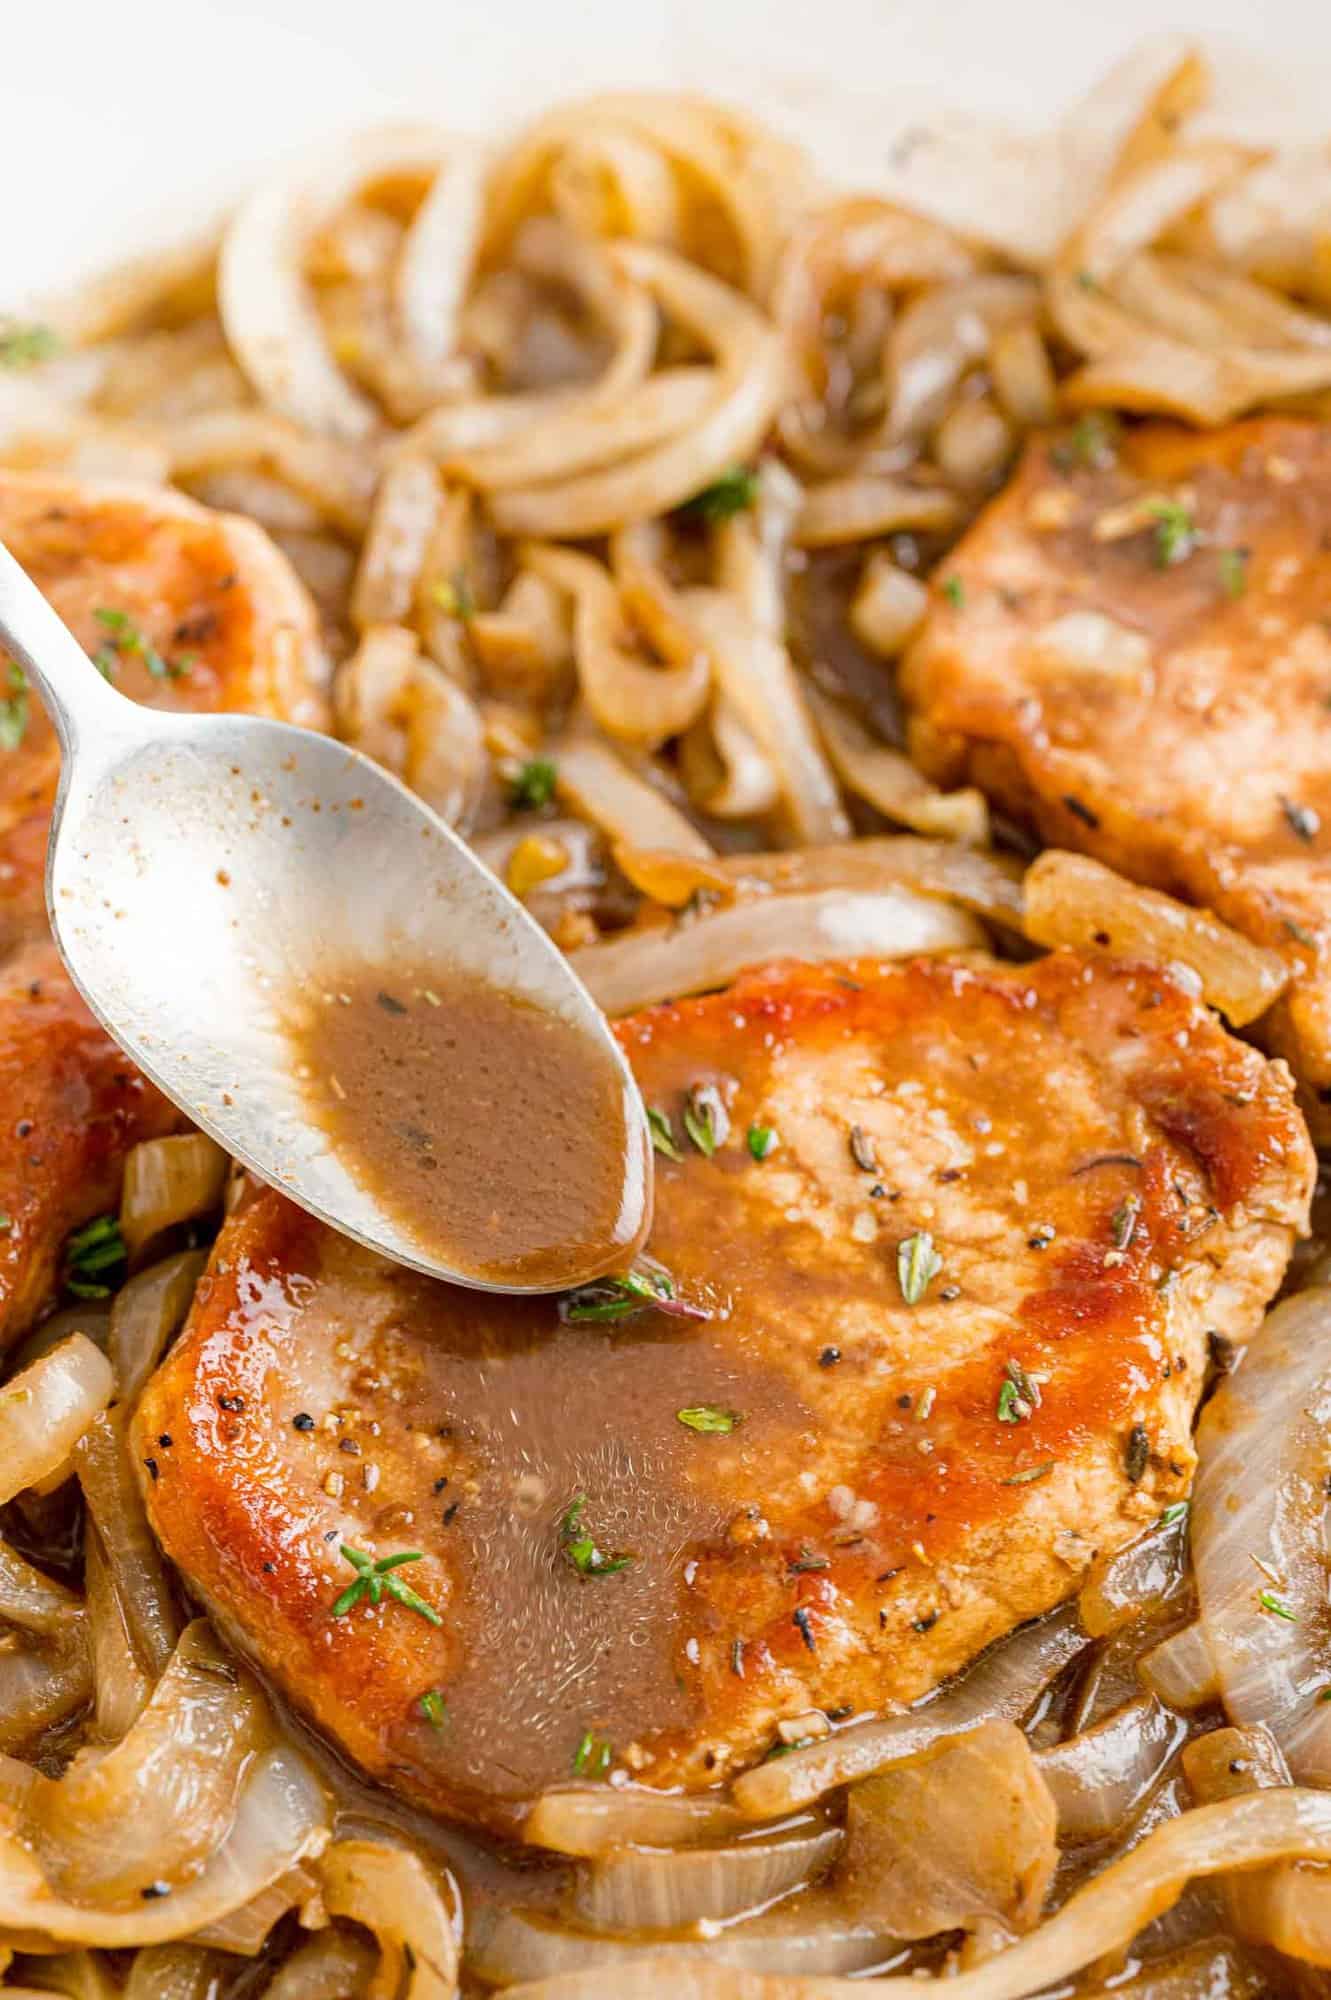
x=121, y=119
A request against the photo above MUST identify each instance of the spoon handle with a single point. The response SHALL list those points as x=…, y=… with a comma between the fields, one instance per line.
x=80, y=703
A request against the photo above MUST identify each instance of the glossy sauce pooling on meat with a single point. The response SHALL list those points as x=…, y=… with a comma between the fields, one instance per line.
x=499, y=1136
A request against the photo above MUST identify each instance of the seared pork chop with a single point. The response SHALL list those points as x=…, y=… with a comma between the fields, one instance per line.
x=959, y=1229
x=1131, y=651
x=182, y=608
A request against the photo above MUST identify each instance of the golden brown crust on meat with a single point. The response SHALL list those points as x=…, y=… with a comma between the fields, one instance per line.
x=1185, y=735
x=227, y=617
x=1104, y=1174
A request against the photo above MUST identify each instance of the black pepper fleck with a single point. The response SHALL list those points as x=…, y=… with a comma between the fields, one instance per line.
x=233, y=1403
x=302, y=1421
x=165, y=1440
x=829, y=1357
x=449, y=1512
x=153, y=1474
x=801, y=1621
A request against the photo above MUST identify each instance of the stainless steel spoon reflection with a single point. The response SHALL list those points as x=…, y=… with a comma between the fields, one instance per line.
x=200, y=865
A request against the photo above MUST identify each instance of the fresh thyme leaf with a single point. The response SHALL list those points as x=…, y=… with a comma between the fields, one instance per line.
x=663, y=1133
x=629, y=1292
x=534, y=785
x=918, y=1264
x=593, y=1756
x=1092, y=442
x=14, y=710
x=1088, y=281
x=1276, y=1606
x=126, y=640
x=706, y=1119
x=761, y=1140
x=375, y=1579
x=24, y=344
x=6, y=1223
x=1233, y=564
x=95, y=1259
x=1019, y=1396
x=862, y=1150
x=434, y=1708
x=733, y=493
x=1177, y=1511
x=453, y=595
x=709, y=1418
x=1032, y=1473
x=954, y=590
x=579, y=1546
x=1175, y=533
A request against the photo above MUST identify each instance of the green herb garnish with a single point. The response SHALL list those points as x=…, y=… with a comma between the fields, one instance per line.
x=1276, y=1606
x=434, y=1708
x=453, y=595
x=376, y=1577
x=1174, y=1513
x=6, y=1223
x=14, y=709
x=127, y=641
x=23, y=345
x=663, y=1133
x=534, y=785
x=709, y=1418
x=1233, y=571
x=579, y=1547
x=1032, y=1473
x=761, y=1140
x=954, y=590
x=706, y=1119
x=1175, y=533
x=1092, y=442
x=1123, y=1222
x=95, y=1259
x=733, y=493
x=593, y=1756
x=918, y=1264
x=1019, y=1396
x=627, y=1292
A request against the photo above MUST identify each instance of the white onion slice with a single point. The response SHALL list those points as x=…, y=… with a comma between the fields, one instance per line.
x=176, y=1972
x=1181, y=1669
x=1101, y=1776
x=115, y=1505
x=1101, y=1919
x=281, y=1818
x=167, y=1181
x=1002, y=1684
x=1264, y=1453
x=146, y=1314
x=641, y=1889
x=45, y=1409
x=640, y=968
x=391, y=1892
x=33, y=1602
x=592, y=1819
x=334, y=1965
x=1119, y=1587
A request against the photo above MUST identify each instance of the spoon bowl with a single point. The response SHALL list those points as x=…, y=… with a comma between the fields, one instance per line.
x=202, y=868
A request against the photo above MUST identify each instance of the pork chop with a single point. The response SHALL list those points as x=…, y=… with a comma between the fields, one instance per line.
x=960, y=1230
x=182, y=608
x=1131, y=651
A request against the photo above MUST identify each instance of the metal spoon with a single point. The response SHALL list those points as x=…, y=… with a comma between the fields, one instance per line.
x=201, y=864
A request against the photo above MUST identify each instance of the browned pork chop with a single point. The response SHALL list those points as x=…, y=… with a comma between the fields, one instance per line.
x=958, y=1326
x=1131, y=650
x=185, y=609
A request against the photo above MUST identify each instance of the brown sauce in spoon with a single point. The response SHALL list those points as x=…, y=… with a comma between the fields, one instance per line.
x=502, y=1139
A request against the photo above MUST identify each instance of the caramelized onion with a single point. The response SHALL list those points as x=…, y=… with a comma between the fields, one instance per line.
x=1119, y=1587
x=887, y=780
x=1072, y=900
x=121, y=1681
x=281, y=1818
x=46, y=1408
x=42, y=1683
x=148, y=1312
x=35, y=1603
x=391, y=1892
x=1287, y=1908
x=637, y=1889
x=115, y=1506
x=152, y=1810
x=1101, y=1776
x=594, y=1819
x=176, y=1972
x=333, y=1965
x=1002, y=1685
x=808, y=1935
x=1181, y=1669
x=168, y=1181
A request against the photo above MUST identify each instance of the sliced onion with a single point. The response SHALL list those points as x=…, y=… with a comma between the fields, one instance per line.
x=46, y=1408
x=391, y=1892
x=1214, y=1969
x=121, y=1682
x=1100, y=1777
x=887, y=780
x=33, y=1602
x=115, y=1506
x=958, y=1837
x=985, y=883
x=435, y=262
x=83, y=1975
x=281, y=1818
x=1099, y=1920
x=861, y=506
x=945, y=331
x=42, y=1684
x=637, y=969
x=157, y=1806
x=335, y=479
x=1181, y=1669
x=593, y=1819
x=1002, y=1685
x=169, y=1181
x=334, y=1965
x=601, y=787
x=637, y=1889
x=808, y=1935
x=1119, y=1587
x=245, y=1931
x=1287, y=1908
x=176, y=1972
x=402, y=527
x=147, y=1314
x=888, y=607
x=1264, y=1454
x=1072, y=900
